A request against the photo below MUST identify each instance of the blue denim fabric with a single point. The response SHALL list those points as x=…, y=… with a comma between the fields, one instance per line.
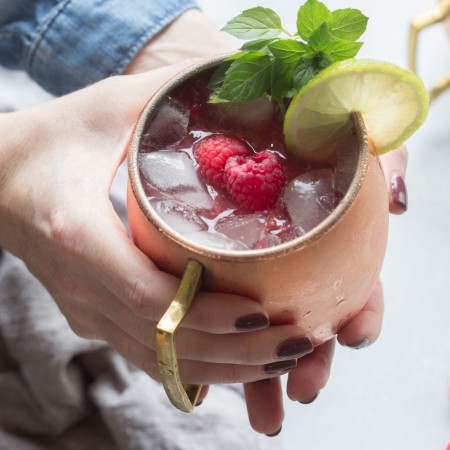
x=67, y=44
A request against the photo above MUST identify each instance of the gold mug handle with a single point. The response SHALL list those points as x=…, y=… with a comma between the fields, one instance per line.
x=436, y=15
x=183, y=396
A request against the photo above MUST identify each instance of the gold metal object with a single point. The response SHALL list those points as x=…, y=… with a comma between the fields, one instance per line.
x=182, y=396
x=440, y=13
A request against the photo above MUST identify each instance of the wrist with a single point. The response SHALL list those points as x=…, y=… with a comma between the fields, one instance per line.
x=192, y=35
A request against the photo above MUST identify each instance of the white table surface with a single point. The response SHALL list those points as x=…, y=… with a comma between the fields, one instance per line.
x=395, y=394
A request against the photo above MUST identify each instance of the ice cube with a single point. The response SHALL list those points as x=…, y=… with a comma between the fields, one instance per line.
x=173, y=174
x=269, y=240
x=168, y=127
x=215, y=240
x=167, y=170
x=182, y=218
x=198, y=197
x=248, y=228
x=310, y=198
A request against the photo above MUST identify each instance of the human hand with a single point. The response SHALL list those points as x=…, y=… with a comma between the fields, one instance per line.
x=264, y=397
x=192, y=35
x=57, y=163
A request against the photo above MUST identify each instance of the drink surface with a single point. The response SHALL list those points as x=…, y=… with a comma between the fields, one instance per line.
x=205, y=213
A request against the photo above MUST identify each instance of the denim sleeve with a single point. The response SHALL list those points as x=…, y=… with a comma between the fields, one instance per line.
x=67, y=44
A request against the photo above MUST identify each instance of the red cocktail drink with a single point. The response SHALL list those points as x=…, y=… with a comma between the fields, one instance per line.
x=203, y=208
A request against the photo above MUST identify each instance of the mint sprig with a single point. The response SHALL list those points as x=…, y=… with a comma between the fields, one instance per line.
x=275, y=62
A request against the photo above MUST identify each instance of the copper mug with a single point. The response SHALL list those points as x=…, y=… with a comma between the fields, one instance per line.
x=318, y=281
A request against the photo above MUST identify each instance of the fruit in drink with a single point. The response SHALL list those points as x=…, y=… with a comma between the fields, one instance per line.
x=216, y=175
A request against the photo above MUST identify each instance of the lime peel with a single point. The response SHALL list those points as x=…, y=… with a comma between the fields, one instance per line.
x=392, y=101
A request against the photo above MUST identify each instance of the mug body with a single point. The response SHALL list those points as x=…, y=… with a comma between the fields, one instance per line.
x=318, y=281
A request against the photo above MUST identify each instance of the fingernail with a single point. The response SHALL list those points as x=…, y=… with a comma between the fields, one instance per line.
x=308, y=402
x=398, y=190
x=252, y=322
x=275, y=434
x=294, y=348
x=364, y=343
x=280, y=366
x=199, y=403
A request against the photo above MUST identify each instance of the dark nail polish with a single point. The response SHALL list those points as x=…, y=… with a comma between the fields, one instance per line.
x=308, y=402
x=280, y=366
x=275, y=434
x=364, y=343
x=252, y=322
x=398, y=190
x=199, y=403
x=294, y=348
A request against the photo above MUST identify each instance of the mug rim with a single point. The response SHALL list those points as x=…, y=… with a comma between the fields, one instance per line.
x=307, y=239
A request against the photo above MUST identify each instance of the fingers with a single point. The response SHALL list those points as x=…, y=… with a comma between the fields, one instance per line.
x=265, y=405
x=394, y=167
x=311, y=374
x=129, y=275
x=276, y=343
x=265, y=346
x=365, y=328
x=143, y=357
x=203, y=358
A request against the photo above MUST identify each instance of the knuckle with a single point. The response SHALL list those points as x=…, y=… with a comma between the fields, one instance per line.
x=182, y=347
x=69, y=286
x=137, y=295
x=67, y=241
x=64, y=233
x=150, y=367
x=231, y=374
x=246, y=355
x=188, y=347
x=151, y=337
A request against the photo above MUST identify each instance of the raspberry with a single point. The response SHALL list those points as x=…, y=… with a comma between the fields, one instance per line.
x=212, y=154
x=255, y=183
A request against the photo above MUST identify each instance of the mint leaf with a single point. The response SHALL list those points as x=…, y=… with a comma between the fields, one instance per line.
x=304, y=71
x=258, y=45
x=255, y=23
x=235, y=56
x=348, y=24
x=288, y=49
x=321, y=60
x=282, y=78
x=248, y=78
x=310, y=16
x=268, y=64
x=218, y=77
x=287, y=53
x=341, y=49
x=320, y=40
x=308, y=67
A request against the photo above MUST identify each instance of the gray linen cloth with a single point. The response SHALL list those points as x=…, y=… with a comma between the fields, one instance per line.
x=61, y=392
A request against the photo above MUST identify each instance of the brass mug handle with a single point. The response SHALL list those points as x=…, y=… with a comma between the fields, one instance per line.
x=419, y=23
x=183, y=396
